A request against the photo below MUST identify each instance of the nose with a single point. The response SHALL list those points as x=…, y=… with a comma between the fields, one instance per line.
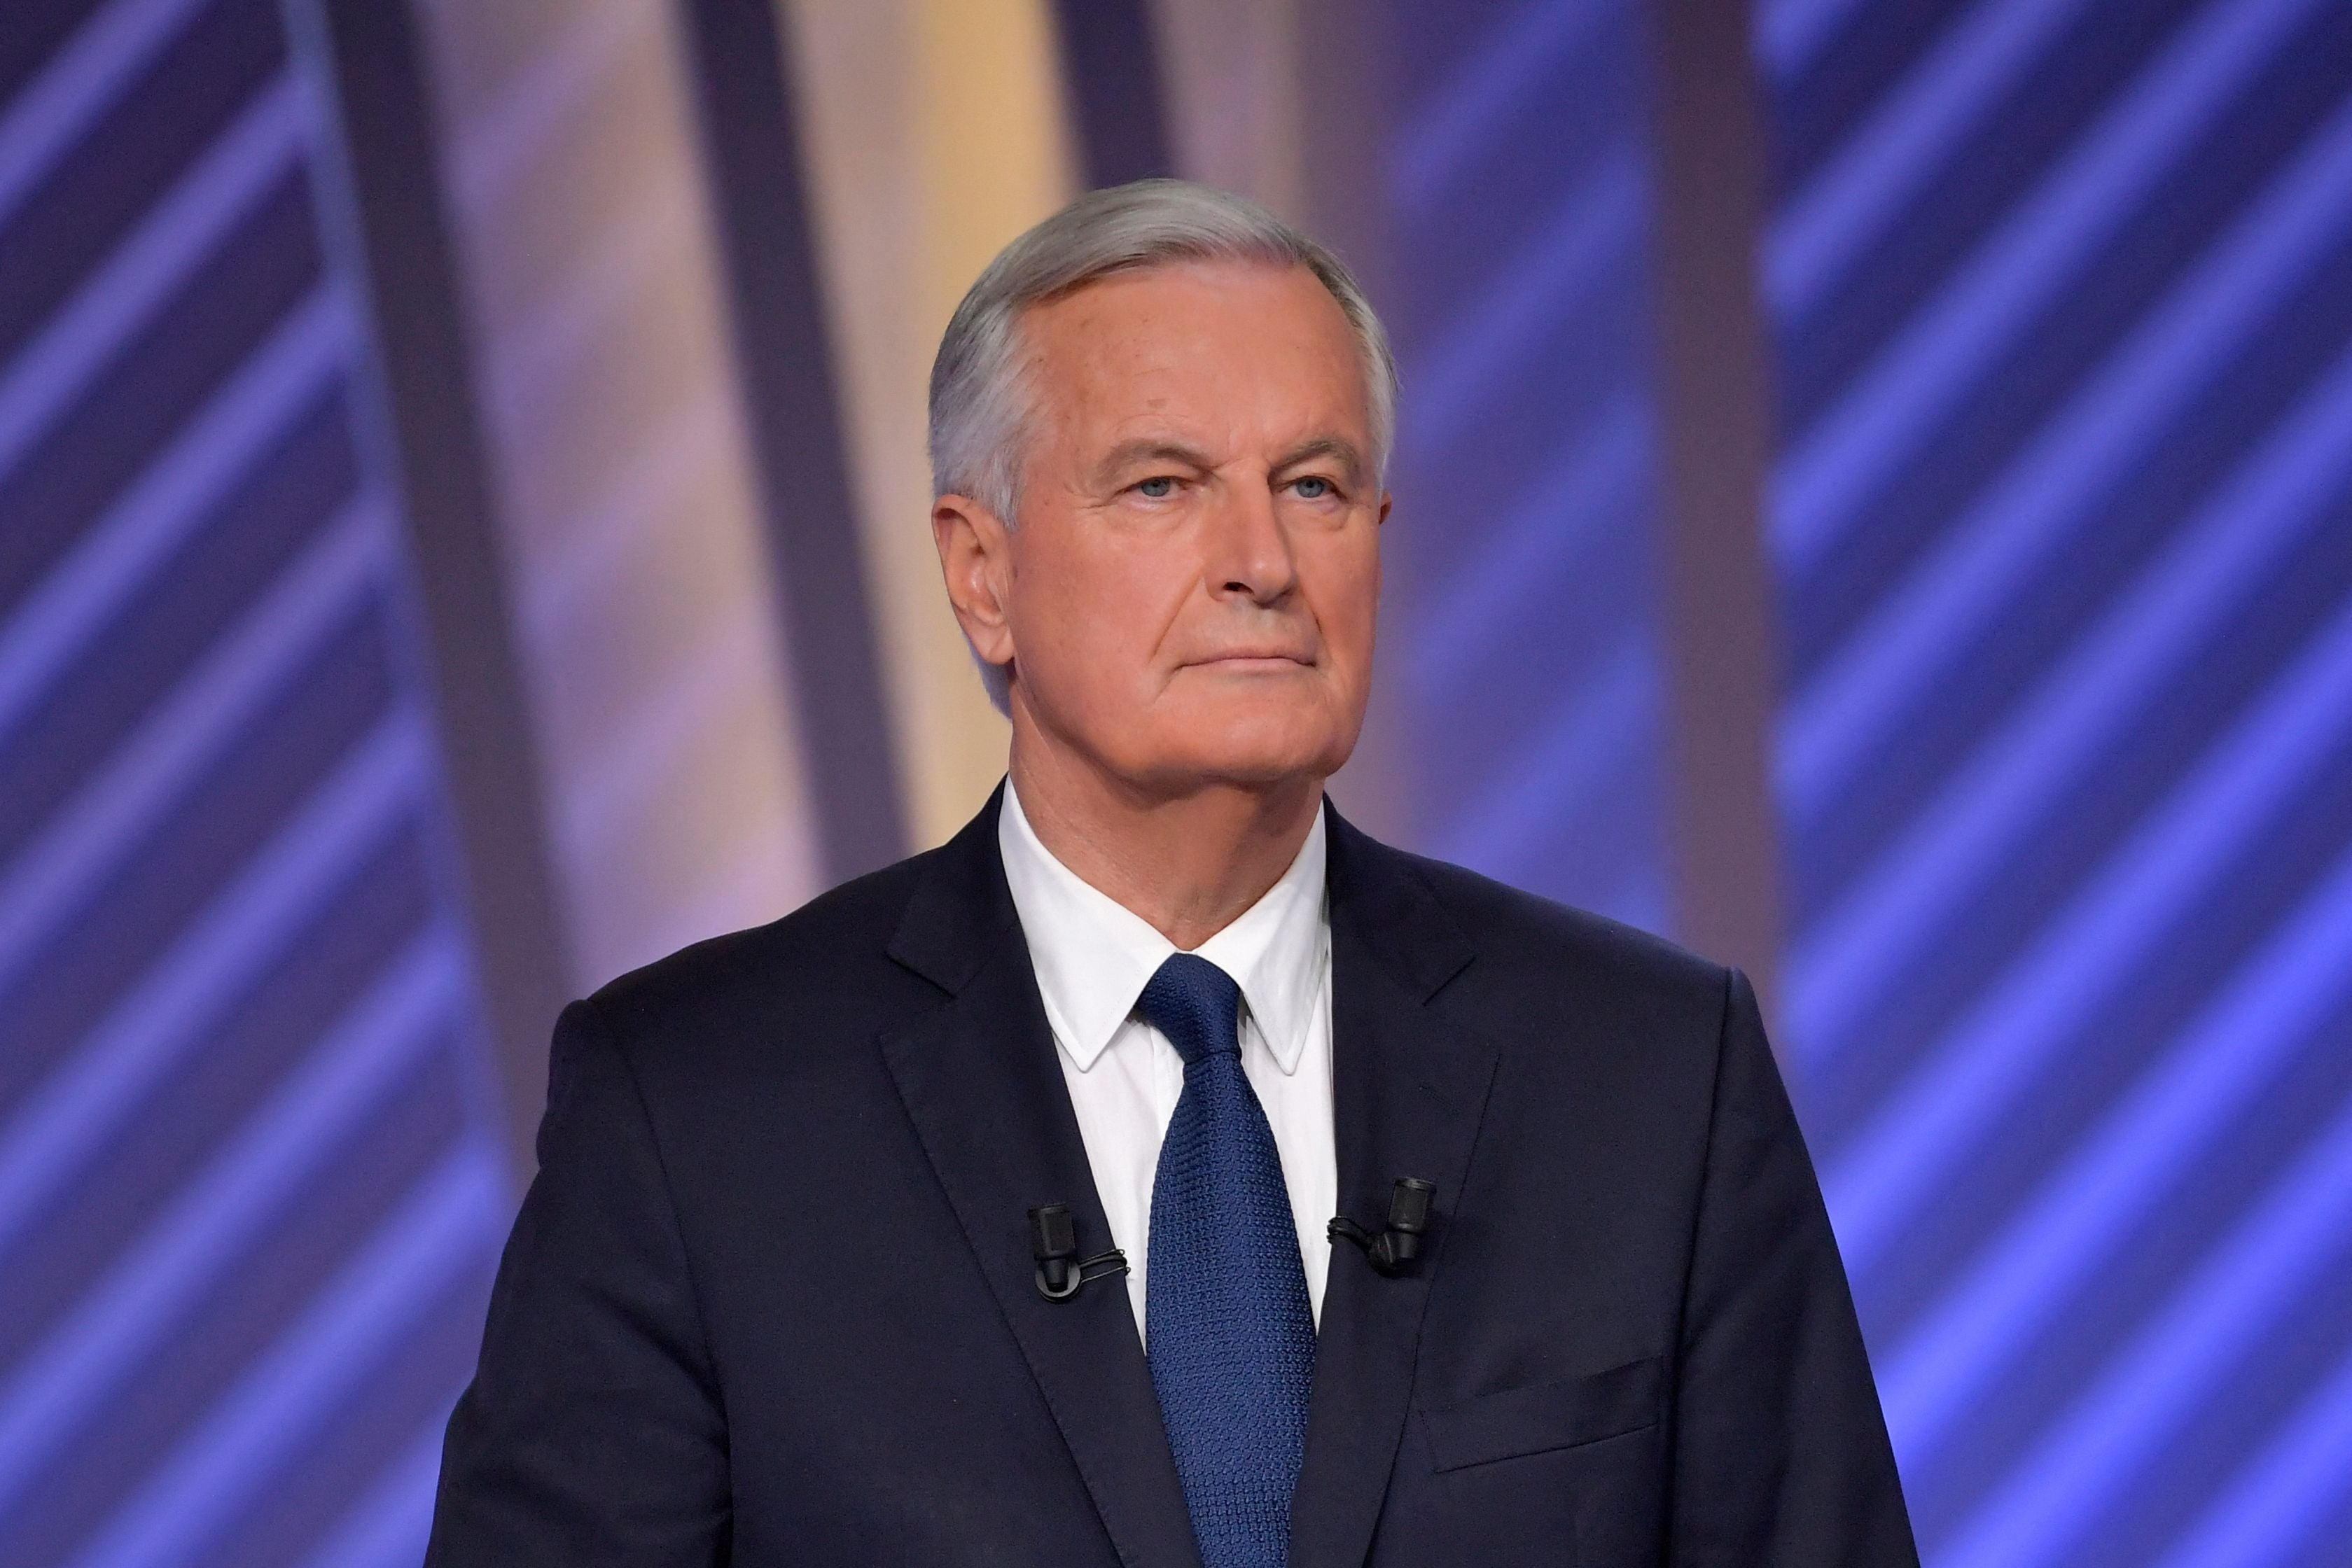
x=1249, y=553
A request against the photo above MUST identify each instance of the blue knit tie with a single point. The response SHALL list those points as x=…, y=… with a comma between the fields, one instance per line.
x=1232, y=1339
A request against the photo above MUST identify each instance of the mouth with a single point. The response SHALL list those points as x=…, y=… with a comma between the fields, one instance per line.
x=1248, y=663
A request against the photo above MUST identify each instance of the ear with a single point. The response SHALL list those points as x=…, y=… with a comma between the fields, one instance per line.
x=976, y=558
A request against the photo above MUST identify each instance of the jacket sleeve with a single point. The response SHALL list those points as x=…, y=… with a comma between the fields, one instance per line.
x=592, y=1432
x=1781, y=1454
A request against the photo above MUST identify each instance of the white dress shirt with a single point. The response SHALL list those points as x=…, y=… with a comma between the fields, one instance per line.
x=1093, y=956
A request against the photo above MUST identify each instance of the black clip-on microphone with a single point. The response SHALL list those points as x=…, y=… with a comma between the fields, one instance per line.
x=1398, y=1243
x=1061, y=1272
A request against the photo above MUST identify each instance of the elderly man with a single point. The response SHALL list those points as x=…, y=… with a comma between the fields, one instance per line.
x=1162, y=1172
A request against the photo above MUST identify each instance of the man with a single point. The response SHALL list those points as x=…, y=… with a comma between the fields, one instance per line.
x=778, y=1294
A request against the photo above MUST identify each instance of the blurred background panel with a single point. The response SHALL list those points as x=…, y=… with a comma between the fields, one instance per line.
x=1873, y=503
x=1523, y=561
x=624, y=488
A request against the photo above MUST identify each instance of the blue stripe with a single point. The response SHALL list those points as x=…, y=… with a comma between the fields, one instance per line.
x=1943, y=604
x=1555, y=778
x=2275, y=1507
x=2181, y=1105
x=56, y=1390
x=387, y=1526
x=1888, y=411
x=2238, y=1292
x=1579, y=504
x=64, y=1122
x=449, y=1223
x=1914, y=1140
x=2061, y=767
x=223, y=184
x=244, y=987
x=1790, y=32
x=1909, y=137
x=45, y=632
x=1466, y=113
x=154, y=766
x=1457, y=378
x=1857, y=951
x=78, y=87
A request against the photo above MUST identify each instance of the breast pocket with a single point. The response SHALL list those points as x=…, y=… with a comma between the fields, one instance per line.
x=1547, y=1415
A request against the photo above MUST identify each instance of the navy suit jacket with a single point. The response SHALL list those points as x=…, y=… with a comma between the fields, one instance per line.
x=770, y=1299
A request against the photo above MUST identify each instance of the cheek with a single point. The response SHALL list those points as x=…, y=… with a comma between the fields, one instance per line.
x=1346, y=595
x=1096, y=617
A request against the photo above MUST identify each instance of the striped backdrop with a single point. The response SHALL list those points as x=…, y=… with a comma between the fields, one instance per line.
x=252, y=1172
x=2062, y=513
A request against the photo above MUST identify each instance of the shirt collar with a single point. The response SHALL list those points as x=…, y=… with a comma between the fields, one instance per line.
x=1093, y=956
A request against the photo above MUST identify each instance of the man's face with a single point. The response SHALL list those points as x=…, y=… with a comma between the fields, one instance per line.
x=1195, y=573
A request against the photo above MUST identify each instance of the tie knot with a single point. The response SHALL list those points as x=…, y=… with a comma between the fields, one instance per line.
x=1196, y=1005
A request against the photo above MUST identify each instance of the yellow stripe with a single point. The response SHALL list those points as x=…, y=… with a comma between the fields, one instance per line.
x=934, y=133
x=626, y=500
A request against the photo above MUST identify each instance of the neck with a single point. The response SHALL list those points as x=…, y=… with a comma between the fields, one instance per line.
x=1190, y=864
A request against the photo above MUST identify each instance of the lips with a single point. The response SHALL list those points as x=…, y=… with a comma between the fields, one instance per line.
x=1256, y=656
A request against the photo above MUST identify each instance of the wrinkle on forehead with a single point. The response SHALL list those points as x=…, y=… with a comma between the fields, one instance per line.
x=1101, y=356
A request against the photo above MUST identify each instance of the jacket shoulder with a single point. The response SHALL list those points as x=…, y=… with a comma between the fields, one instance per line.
x=827, y=960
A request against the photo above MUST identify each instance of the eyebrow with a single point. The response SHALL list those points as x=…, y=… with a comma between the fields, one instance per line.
x=1156, y=449
x=1148, y=449
x=1339, y=448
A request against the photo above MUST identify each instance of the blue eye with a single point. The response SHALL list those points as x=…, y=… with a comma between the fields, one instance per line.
x=1320, y=487
x=1157, y=488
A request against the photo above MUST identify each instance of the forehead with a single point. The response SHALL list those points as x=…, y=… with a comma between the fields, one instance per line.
x=1238, y=339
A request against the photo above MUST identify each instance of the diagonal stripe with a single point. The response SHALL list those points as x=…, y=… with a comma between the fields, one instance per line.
x=2181, y=1105
x=1944, y=604
x=1593, y=228
x=42, y=380
x=1882, y=163
x=1472, y=109
x=684, y=449
x=1917, y=1136
x=387, y=1525
x=613, y=787
x=1636, y=896
x=42, y=635
x=449, y=1222
x=1891, y=407
x=1790, y=32
x=537, y=360
x=1582, y=498
x=53, y=1392
x=494, y=150
x=2056, y=1491
x=119, y=802
x=2165, y=1438
x=1854, y=952
x=65, y=1122
x=62, y=105
x=1550, y=780
x=2271, y=1509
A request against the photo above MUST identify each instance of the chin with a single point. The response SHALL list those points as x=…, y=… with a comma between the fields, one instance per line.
x=1258, y=743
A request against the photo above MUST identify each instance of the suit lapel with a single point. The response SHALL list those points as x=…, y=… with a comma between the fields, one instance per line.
x=1407, y=1094
x=983, y=1089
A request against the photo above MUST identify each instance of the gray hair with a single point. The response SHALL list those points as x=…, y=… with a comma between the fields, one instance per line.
x=980, y=400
